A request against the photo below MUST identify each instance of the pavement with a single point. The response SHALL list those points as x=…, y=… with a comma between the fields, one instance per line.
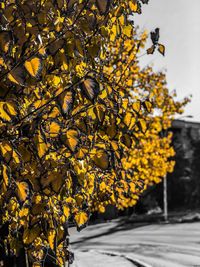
x=97, y=258
x=118, y=243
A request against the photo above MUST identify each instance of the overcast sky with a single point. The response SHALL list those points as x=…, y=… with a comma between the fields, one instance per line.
x=179, y=23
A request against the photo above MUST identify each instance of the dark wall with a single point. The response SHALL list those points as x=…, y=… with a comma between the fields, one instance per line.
x=183, y=185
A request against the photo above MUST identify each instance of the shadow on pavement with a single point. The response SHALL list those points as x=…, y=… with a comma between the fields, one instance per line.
x=119, y=226
x=133, y=222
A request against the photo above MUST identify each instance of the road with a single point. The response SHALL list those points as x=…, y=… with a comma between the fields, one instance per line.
x=157, y=245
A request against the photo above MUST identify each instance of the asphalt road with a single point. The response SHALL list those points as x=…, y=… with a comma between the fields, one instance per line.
x=157, y=245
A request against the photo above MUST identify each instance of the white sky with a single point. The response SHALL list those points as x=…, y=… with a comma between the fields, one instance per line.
x=179, y=23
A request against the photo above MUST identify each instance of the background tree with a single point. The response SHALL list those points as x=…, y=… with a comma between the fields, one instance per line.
x=80, y=122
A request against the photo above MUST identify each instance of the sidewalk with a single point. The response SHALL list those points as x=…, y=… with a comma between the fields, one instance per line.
x=89, y=257
x=99, y=256
x=98, y=259
x=124, y=244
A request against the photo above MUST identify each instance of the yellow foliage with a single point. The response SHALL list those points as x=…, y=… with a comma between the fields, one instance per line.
x=78, y=124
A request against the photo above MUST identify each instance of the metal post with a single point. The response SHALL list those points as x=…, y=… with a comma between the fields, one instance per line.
x=26, y=258
x=165, y=208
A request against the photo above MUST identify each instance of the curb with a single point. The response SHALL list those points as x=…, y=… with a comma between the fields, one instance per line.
x=137, y=262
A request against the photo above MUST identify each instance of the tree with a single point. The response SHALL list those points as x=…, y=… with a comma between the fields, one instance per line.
x=80, y=120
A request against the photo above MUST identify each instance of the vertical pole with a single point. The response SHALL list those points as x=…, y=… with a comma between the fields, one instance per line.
x=26, y=257
x=165, y=208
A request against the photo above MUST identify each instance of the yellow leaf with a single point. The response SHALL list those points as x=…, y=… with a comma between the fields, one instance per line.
x=136, y=106
x=24, y=153
x=129, y=120
x=54, y=129
x=113, y=33
x=101, y=159
x=1, y=61
x=6, y=150
x=66, y=101
x=143, y=125
x=80, y=68
x=9, y=153
x=51, y=236
x=30, y=234
x=33, y=66
x=24, y=212
x=6, y=177
x=132, y=187
x=3, y=114
x=16, y=157
x=127, y=30
x=66, y=211
x=81, y=219
x=22, y=190
x=79, y=199
x=122, y=19
x=91, y=113
x=103, y=94
x=42, y=51
x=42, y=147
x=90, y=88
x=100, y=112
x=133, y=5
x=55, y=179
x=114, y=145
x=82, y=152
x=57, y=183
x=17, y=76
x=161, y=49
x=126, y=139
x=54, y=81
x=71, y=139
x=130, y=82
x=5, y=40
x=151, y=50
x=29, y=25
x=7, y=111
x=10, y=109
x=101, y=209
x=148, y=105
x=54, y=113
x=102, y=186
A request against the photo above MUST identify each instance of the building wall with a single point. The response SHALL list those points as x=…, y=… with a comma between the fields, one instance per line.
x=183, y=185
